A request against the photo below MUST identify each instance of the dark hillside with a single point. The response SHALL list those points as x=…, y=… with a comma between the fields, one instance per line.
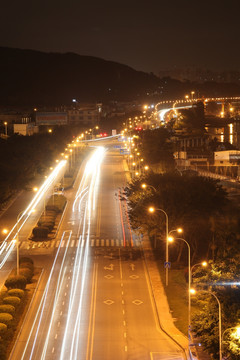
x=33, y=77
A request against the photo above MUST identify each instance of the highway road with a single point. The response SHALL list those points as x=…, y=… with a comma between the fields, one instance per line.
x=94, y=299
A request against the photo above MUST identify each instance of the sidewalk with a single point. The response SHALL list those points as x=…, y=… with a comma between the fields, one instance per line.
x=164, y=315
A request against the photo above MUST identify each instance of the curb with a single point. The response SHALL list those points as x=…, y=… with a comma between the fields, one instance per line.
x=160, y=297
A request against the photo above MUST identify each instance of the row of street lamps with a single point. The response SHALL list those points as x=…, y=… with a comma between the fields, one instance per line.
x=191, y=291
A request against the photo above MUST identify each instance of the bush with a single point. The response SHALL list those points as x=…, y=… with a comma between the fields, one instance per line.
x=16, y=292
x=27, y=273
x=3, y=352
x=56, y=202
x=3, y=329
x=12, y=300
x=49, y=225
x=7, y=308
x=25, y=260
x=27, y=266
x=5, y=318
x=40, y=232
x=17, y=281
x=47, y=218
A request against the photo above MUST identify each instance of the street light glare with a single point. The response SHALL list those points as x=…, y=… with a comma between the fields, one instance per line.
x=151, y=209
x=179, y=230
x=144, y=186
x=170, y=239
x=5, y=231
x=192, y=291
x=204, y=263
x=238, y=331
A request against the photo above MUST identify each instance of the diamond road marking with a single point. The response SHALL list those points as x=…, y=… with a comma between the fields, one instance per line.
x=134, y=277
x=108, y=277
x=108, y=302
x=137, y=302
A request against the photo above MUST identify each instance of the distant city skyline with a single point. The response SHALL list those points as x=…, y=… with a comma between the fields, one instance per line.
x=149, y=36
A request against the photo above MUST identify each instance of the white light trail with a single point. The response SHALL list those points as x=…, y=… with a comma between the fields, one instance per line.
x=163, y=112
x=27, y=212
x=70, y=344
x=85, y=201
x=41, y=306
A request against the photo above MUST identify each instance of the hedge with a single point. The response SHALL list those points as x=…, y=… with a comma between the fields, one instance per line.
x=44, y=219
x=16, y=292
x=56, y=202
x=12, y=300
x=7, y=308
x=49, y=225
x=3, y=328
x=27, y=273
x=5, y=318
x=40, y=232
x=25, y=260
x=17, y=281
x=27, y=265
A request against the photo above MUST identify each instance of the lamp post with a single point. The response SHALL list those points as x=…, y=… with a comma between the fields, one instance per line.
x=17, y=242
x=144, y=186
x=237, y=328
x=5, y=123
x=193, y=291
x=203, y=263
x=170, y=239
x=192, y=93
x=151, y=210
x=17, y=238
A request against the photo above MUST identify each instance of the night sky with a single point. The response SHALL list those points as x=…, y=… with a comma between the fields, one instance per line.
x=146, y=35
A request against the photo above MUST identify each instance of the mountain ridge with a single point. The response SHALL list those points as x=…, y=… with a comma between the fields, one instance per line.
x=31, y=76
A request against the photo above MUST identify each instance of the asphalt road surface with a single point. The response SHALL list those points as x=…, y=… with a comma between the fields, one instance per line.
x=94, y=300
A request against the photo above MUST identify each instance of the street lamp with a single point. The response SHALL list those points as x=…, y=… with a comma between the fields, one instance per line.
x=178, y=230
x=152, y=210
x=5, y=123
x=193, y=291
x=144, y=186
x=171, y=239
x=192, y=93
x=203, y=264
x=17, y=238
x=237, y=328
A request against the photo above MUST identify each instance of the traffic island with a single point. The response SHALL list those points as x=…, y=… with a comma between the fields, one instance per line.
x=15, y=299
x=48, y=223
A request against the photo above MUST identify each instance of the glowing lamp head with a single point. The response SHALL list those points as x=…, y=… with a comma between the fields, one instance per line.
x=170, y=239
x=204, y=263
x=144, y=186
x=5, y=231
x=192, y=291
x=238, y=331
x=151, y=209
x=35, y=189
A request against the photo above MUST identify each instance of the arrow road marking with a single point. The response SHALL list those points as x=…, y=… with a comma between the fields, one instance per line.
x=110, y=267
